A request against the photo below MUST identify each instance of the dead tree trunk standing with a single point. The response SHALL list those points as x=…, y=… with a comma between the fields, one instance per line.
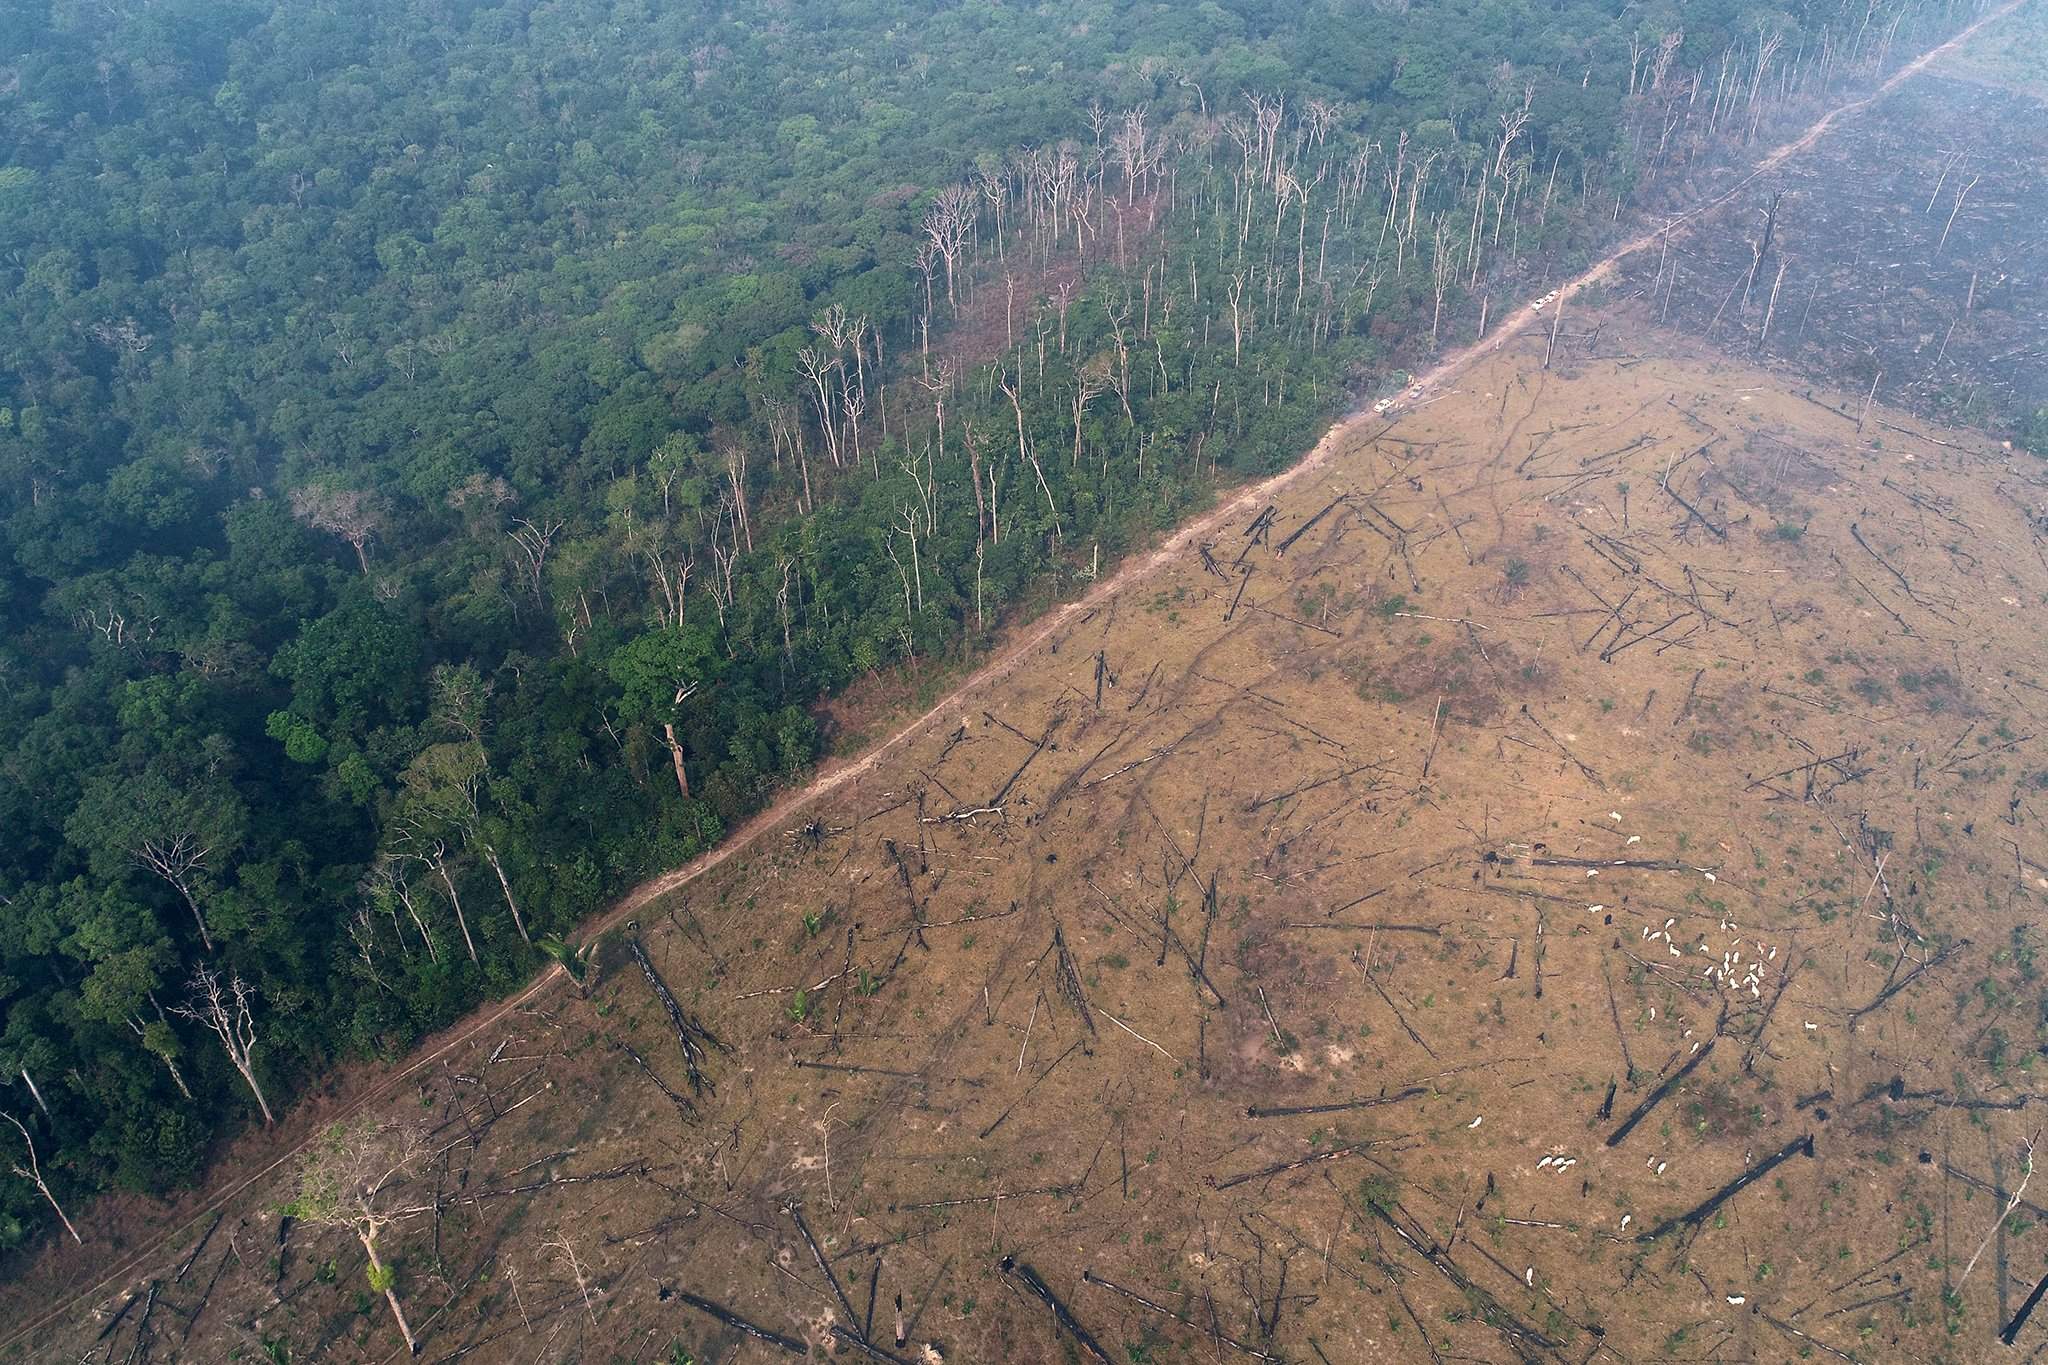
x=1761, y=247
x=30, y=1081
x=505, y=885
x=33, y=1173
x=437, y=859
x=1960, y=194
x=226, y=1010
x=1771, y=307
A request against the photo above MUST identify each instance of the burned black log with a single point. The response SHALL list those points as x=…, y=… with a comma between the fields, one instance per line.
x=740, y=1324
x=1298, y=532
x=1289, y=1110
x=1243, y=578
x=1658, y=1096
x=1025, y=1275
x=680, y=1101
x=2011, y=1333
x=134, y=1297
x=693, y=1036
x=178, y=1275
x=864, y=1346
x=1705, y=1210
x=796, y=1214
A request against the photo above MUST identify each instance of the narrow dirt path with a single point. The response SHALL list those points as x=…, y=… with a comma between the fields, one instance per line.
x=1015, y=652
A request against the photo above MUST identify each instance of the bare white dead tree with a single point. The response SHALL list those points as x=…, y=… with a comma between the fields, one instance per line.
x=350, y=513
x=533, y=540
x=948, y=225
x=566, y=1251
x=33, y=1173
x=226, y=1009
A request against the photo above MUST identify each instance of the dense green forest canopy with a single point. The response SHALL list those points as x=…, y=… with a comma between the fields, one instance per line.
x=449, y=447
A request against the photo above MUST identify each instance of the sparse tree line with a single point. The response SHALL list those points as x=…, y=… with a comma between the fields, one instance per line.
x=420, y=527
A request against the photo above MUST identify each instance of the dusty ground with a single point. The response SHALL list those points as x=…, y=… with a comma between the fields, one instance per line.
x=1367, y=937
x=1457, y=735
x=1909, y=252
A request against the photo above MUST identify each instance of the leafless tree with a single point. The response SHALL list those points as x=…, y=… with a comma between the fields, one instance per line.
x=445, y=781
x=566, y=1250
x=386, y=886
x=1088, y=386
x=417, y=838
x=948, y=226
x=344, y=1182
x=1442, y=269
x=225, y=1008
x=178, y=855
x=2011, y=1203
x=350, y=513
x=1960, y=194
x=818, y=367
x=533, y=540
x=670, y=581
x=33, y=1173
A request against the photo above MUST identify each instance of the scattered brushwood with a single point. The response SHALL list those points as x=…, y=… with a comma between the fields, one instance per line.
x=1698, y=1215
x=144, y=1339
x=1349, y=1149
x=1038, y=746
x=1298, y=532
x=1372, y=1102
x=206, y=1296
x=1884, y=996
x=1023, y=1274
x=1066, y=1191
x=740, y=1324
x=1090, y=1277
x=697, y=1041
x=999, y=1120
x=1562, y=748
x=1068, y=976
x=1658, y=1096
x=1418, y=1239
x=1843, y=767
x=679, y=1100
x=1756, y=1038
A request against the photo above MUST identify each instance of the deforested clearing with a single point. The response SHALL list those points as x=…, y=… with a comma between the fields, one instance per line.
x=1394, y=930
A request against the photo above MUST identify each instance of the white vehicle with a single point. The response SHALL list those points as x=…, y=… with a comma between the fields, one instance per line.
x=1383, y=405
